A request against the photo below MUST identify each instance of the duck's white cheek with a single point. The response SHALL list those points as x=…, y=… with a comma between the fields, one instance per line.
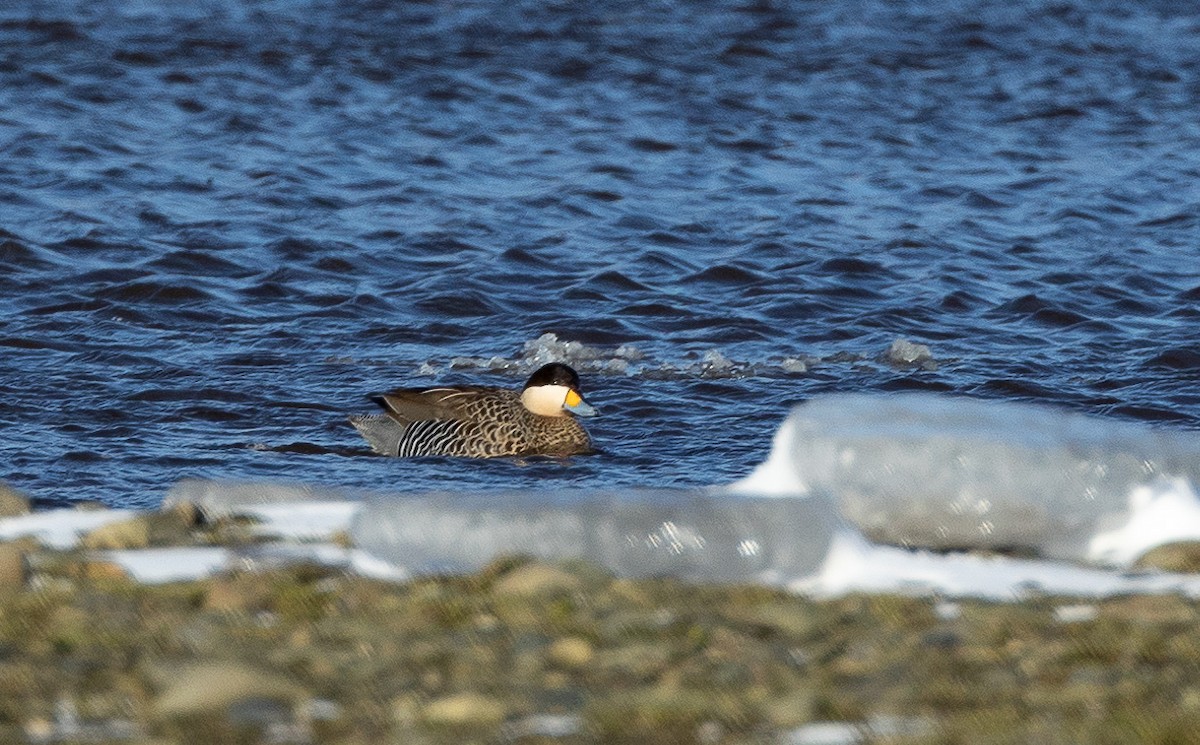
x=546, y=400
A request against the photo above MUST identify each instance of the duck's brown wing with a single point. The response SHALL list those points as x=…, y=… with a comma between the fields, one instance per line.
x=407, y=405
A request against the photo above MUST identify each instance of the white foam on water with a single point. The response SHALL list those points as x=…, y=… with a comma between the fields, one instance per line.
x=549, y=348
x=628, y=360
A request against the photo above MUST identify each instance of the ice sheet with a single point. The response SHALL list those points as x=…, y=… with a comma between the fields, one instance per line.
x=699, y=536
x=931, y=471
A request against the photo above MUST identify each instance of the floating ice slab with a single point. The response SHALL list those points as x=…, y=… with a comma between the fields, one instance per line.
x=944, y=472
x=697, y=536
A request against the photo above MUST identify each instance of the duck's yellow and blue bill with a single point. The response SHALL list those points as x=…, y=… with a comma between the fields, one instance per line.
x=576, y=405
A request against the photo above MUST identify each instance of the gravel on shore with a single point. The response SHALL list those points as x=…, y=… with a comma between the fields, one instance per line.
x=298, y=652
x=534, y=652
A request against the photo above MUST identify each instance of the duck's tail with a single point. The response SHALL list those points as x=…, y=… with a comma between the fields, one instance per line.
x=381, y=431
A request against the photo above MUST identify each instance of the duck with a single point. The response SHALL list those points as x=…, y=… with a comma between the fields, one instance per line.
x=481, y=422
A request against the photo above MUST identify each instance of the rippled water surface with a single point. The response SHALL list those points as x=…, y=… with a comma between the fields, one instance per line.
x=224, y=222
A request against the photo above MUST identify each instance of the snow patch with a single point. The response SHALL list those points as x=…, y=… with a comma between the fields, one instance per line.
x=1167, y=511
x=61, y=528
x=160, y=565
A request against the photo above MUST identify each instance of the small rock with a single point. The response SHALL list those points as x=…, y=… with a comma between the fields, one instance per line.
x=242, y=593
x=641, y=661
x=941, y=639
x=791, y=709
x=526, y=663
x=1189, y=699
x=1149, y=609
x=1079, y=613
x=40, y=730
x=947, y=610
x=663, y=714
x=12, y=502
x=170, y=527
x=548, y=726
x=258, y=711
x=187, y=512
x=465, y=710
x=1181, y=556
x=632, y=592
x=709, y=733
x=571, y=652
x=12, y=565
x=131, y=533
x=537, y=579
x=406, y=709
x=210, y=689
x=781, y=617
x=104, y=570
x=320, y=710
x=824, y=733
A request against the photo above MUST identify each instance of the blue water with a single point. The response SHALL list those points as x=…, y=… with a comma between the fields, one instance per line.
x=223, y=223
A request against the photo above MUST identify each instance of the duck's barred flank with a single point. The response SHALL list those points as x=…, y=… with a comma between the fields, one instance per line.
x=434, y=437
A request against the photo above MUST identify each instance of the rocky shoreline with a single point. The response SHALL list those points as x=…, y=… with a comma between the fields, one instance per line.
x=525, y=651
